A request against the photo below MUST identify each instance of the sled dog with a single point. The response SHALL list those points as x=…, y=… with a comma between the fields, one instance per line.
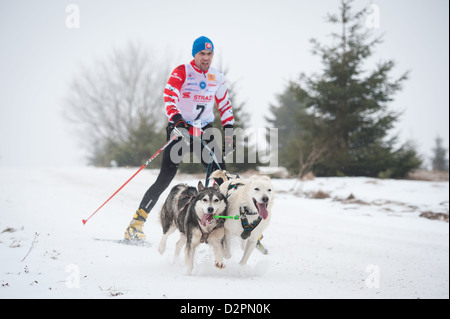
x=252, y=200
x=192, y=213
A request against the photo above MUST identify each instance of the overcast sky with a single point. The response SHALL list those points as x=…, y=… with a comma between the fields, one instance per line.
x=263, y=43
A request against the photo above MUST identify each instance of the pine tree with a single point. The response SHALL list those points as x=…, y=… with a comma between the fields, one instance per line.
x=347, y=106
x=439, y=161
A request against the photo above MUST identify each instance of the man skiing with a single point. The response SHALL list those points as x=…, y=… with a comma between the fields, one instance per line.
x=189, y=97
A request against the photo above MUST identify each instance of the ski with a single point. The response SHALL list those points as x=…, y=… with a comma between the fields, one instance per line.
x=141, y=243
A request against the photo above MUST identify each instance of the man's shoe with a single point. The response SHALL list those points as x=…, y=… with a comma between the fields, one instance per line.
x=135, y=231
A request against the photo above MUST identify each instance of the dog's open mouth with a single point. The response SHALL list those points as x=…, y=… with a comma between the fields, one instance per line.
x=207, y=218
x=262, y=209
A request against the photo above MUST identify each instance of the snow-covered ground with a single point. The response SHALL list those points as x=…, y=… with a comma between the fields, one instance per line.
x=373, y=246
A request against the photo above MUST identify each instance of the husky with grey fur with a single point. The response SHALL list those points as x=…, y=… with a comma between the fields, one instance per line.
x=192, y=212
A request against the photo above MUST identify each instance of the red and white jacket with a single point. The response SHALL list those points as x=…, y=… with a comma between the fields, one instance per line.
x=192, y=93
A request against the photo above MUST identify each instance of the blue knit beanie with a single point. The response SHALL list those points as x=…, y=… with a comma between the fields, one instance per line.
x=202, y=43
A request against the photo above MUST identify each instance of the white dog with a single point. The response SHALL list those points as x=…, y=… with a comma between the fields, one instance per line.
x=252, y=201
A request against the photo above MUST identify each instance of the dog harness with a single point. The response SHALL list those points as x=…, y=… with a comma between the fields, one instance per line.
x=243, y=212
x=248, y=228
x=205, y=236
x=180, y=210
x=233, y=187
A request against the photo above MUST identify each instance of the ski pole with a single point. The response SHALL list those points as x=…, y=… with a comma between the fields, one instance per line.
x=211, y=153
x=174, y=137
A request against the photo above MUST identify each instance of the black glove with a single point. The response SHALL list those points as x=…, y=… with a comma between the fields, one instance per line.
x=179, y=121
x=179, y=126
x=229, y=143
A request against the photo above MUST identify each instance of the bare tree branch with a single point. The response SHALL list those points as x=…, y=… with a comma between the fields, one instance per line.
x=107, y=101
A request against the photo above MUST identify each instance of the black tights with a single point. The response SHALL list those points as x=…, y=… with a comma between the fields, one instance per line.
x=169, y=166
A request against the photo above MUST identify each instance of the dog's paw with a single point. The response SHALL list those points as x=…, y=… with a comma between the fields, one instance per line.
x=219, y=265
